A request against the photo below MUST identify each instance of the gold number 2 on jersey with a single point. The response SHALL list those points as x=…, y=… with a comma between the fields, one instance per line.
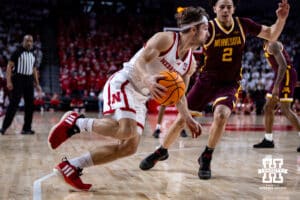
x=227, y=55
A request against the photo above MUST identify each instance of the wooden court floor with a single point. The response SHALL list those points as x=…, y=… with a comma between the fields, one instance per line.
x=26, y=164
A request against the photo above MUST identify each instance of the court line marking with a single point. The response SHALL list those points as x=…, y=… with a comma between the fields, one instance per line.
x=37, y=184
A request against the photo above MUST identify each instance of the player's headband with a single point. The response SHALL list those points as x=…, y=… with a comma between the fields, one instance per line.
x=204, y=20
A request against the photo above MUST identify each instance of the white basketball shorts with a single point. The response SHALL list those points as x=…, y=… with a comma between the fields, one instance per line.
x=121, y=100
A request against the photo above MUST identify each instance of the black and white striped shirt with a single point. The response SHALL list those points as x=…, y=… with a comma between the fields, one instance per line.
x=24, y=61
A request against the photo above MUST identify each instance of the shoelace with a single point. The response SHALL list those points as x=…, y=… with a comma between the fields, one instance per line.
x=64, y=159
x=74, y=129
x=78, y=169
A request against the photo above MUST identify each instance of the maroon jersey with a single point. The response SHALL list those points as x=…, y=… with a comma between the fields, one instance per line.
x=272, y=61
x=224, y=49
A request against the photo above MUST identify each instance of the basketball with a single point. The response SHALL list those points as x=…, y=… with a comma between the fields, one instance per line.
x=175, y=88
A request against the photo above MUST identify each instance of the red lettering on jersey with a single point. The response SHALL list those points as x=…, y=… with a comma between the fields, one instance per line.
x=167, y=64
x=116, y=98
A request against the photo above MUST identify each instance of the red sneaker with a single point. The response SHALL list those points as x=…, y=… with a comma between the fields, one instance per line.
x=71, y=175
x=64, y=129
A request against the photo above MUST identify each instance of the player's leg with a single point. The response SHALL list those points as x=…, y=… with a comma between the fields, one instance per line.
x=221, y=115
x=72, y=123
x=223, y=100
x=110, y=153
x=28, y=107
x=269, y=113
x=157, y=130
x=121, y=102
x=127, y=114
x=162, y=152
x=291, y=116
x=14, y=99
x=197, y=98
x=126, y=127
x=71, y=170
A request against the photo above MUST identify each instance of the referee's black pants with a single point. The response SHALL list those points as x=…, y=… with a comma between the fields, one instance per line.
x=22, y=86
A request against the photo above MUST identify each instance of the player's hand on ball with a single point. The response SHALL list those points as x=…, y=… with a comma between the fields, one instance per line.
x=156, y=89
x=174, y=88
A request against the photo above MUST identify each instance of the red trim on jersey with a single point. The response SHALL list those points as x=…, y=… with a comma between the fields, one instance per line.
x=177, y=56
x=169, y=49
x=125, y=96
x=108, y=112
x=140, y=125
x=126, y=108
x=185, y=55
x=190, y=63
x=109, y=99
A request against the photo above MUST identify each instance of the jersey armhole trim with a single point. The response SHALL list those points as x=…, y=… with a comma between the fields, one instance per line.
x=213, y=35
x=165, y=52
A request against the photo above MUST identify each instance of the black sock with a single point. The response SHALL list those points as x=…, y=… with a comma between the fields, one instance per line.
x=161, y=151
x=208, y=150
x=207, y=153
x=205, y=158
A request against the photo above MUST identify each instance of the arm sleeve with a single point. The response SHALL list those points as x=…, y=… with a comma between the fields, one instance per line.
x=250, y=26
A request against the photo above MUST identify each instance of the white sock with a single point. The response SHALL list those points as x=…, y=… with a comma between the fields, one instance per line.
x=82, y=161
x=85, y=124
x=157, y=126
x=269, y=136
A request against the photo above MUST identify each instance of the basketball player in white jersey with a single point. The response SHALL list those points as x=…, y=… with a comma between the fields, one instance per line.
x=125, y=95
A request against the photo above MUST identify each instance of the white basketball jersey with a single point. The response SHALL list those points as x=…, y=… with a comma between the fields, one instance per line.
x=168, y=60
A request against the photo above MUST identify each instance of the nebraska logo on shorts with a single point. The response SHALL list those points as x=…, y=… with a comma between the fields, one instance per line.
x=116, y=97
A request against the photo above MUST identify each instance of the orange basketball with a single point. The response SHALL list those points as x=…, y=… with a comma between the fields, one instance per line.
x=176, y=88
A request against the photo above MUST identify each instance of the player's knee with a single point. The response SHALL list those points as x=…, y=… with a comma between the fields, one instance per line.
x=221, y=116
x=128, y=149
x=268, y=108
x=127, y=130
x=285, y=110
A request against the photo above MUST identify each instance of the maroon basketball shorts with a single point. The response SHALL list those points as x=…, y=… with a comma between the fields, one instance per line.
x=287, y=86
x=206, y=90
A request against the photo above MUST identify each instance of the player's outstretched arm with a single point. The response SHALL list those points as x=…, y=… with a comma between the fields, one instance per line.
x=182, y=107
x=271, y=33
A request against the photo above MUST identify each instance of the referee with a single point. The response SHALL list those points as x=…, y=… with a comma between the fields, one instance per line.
x=21, y=74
